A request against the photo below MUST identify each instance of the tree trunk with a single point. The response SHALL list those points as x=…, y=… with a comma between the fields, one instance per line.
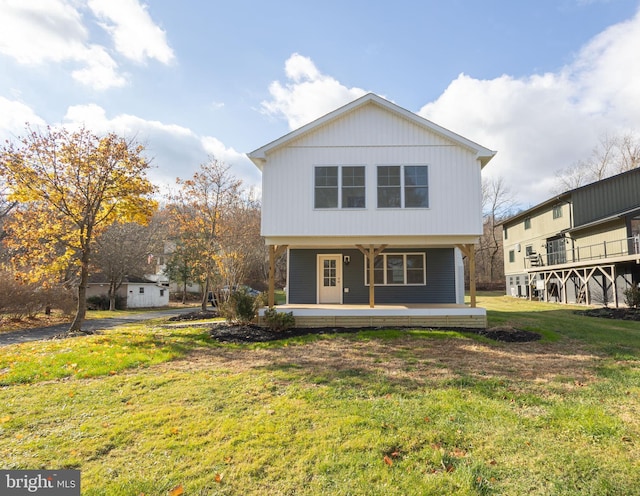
x=81, y=310
x=205, y=295
x=184, y=292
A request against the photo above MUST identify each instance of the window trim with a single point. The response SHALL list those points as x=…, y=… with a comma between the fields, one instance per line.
x=402, y=187
x=339, y=187
x=404, y=268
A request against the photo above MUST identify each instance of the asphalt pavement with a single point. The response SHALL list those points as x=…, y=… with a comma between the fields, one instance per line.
x=40, y=333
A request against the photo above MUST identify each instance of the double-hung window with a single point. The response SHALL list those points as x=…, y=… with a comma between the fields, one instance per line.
x=339, y=186
x=397, y=269
x=403, y=186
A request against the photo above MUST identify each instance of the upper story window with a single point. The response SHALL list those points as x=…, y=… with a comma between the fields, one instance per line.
x=557, y=211
x=403, y=186
x=339, y=187
x=527, y=223
x=506, y=232
x=512, y=256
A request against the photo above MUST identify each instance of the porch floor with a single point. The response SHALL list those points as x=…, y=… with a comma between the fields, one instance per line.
x=419, y=315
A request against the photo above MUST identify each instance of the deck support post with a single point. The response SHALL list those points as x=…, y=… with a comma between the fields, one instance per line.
x=274, y=253
x=469, y=251
x=371, y=253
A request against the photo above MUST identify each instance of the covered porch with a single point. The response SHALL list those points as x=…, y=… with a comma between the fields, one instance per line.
x=346, y=266
x=385, y=315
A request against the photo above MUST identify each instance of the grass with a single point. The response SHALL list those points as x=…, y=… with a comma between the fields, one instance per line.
x=144, y=409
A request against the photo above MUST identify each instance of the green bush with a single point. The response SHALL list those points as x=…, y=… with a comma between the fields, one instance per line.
x=278, y=321
x=240, y=307
x=632, y=296
x=101, y=302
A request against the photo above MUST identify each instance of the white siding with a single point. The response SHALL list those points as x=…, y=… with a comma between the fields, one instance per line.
x=371, y=136
x=150, y=298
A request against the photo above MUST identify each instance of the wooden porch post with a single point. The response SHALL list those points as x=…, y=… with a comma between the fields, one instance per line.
x=470, y=252
x=372, y=286
x=472, y=275
x=274, y=252
x=371, y=253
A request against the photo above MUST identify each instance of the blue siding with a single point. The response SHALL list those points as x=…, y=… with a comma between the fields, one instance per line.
x=440, y=287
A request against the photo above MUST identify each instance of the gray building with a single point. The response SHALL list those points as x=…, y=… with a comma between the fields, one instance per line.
x=582, y=246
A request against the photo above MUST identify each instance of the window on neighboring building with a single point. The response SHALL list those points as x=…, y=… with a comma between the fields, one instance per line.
x=141, y=290
x=557, y=211
x=403, y=186
x=506, y=232
x=527, y=223
x=512, y=256
x=329, y=181
x=397, y=269
x=528, y=250
x=162, y=292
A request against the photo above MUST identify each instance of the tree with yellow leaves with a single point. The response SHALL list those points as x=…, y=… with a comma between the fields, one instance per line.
x=69, y=186
x=200, y=211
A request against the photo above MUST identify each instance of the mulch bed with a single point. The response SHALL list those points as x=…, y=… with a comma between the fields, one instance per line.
x=251, y=333
x=612, y=313
x=199, y=315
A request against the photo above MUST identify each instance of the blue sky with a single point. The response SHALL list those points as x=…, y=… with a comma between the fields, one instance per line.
x=538, y=81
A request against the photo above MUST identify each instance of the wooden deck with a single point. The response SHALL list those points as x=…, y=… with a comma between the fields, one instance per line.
x=449, y=316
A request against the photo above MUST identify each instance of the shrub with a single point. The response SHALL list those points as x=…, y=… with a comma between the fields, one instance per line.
x=278, y=321
x=101, y=302
x=632, y=296
x=240, y=307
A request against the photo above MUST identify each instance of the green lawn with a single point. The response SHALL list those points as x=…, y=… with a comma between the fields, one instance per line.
x=144, y=409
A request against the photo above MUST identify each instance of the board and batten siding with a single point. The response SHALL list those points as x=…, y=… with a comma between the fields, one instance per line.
x=371, y=137
x=440, y=286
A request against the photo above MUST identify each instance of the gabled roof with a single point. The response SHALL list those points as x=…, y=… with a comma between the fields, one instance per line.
x=259, y=156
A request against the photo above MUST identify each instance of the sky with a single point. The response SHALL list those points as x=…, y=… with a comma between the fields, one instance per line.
x=539, y=81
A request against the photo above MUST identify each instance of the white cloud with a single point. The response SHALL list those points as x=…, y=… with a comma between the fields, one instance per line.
x=134, y=33
x=52, y=31
x=308, y=95
x=41, y=30
x=175, y=151
x=14, y=115
x=100, y=72
x=544, y=123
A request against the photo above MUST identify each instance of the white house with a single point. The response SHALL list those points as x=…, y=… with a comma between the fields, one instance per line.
x=368, y=192
x=137, y=292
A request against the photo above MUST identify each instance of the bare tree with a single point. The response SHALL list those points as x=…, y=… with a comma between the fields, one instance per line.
x=497, y=204
x=612, y=155
x=200, y=212
x=123, y=250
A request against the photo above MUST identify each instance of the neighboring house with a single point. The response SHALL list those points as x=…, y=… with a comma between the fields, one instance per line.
x=369, y=192
x=137, y=292
x=579, y=247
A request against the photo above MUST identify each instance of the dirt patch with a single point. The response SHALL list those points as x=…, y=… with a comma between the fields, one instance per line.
x=612, y=313
x=251, y=333
x=409, y=361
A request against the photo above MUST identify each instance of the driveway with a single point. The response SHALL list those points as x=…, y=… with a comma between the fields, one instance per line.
x=40, y=333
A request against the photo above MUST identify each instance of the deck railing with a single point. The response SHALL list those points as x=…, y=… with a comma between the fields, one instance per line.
x=606, y=249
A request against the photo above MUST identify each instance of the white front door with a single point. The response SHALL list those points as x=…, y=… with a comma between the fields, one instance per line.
x=329, y=278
